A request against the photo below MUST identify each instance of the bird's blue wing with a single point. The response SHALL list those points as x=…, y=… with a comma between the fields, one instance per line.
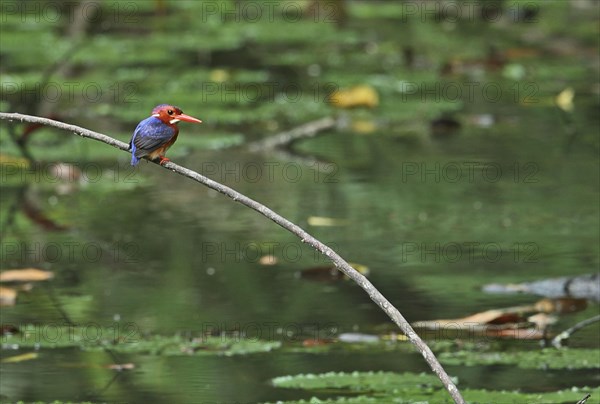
x=149, y=135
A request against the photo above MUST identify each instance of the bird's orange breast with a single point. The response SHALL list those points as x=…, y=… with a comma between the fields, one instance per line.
x=161, y=150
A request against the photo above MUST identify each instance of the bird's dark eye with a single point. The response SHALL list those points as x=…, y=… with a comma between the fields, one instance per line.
x=170, y=112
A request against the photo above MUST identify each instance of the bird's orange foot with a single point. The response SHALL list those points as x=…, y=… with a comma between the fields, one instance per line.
x=163, y=160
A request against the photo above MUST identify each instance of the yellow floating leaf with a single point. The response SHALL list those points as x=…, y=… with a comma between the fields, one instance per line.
x=8, y=296
x=219, y=75
x=268, y=260
x=20, y=162
x=358, y=96
x=25, y=275
x=20, y=358
x=394, y=337
x=321, y=221
x=364, y=126
x=363, y=269
x=564, y=99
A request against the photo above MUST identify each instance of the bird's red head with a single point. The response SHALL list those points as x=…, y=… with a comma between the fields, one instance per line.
x=171, y=115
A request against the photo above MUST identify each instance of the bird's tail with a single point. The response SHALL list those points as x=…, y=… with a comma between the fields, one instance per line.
x=134, y=159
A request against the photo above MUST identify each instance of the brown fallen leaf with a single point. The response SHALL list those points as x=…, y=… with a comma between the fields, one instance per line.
x=506, y=316
x=511, y=322
x=25, y=275
x=8, y=296
x=8, y=329
x=517, y=333
x=312, y=342
x=561, y=305
x=487, y=317
x=542, y=320
x=517, y=53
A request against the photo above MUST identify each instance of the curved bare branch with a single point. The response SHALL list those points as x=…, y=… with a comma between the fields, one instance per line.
x=305, y=237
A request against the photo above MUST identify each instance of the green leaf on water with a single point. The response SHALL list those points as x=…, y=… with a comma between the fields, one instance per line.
x=360, y=381
x=127, y=338
x=549, y=358
x=387, y=387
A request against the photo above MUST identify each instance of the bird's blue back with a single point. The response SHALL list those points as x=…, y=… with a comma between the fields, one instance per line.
x=150, y=134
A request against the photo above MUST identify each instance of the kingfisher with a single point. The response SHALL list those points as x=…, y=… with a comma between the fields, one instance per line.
x=155, y=134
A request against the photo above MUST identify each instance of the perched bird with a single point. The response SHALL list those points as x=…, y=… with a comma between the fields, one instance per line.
x=154, y=135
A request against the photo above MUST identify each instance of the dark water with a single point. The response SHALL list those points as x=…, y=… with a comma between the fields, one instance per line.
x=171, y=256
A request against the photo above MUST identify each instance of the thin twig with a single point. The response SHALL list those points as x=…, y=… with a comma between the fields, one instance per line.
x=338, y=261
x=286, y=138
x=21, y=143
x=566, y=334
x=584, y=399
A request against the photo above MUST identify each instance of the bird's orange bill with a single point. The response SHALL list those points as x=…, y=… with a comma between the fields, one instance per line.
x=187, y=118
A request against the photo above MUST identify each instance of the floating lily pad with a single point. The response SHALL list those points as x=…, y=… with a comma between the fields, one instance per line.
x=126, y=338
x=386, y=387
x=360, y=382
x=549, y=358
